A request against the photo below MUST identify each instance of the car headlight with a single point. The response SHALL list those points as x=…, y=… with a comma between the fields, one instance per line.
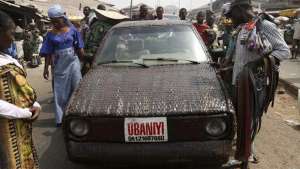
x=216, y=127
x=79, y=128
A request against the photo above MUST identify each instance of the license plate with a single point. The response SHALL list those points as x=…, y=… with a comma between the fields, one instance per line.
x=146, y=129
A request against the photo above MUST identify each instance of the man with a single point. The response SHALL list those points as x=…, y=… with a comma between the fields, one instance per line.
x=213, y=29
x=226, y=25
x=159, y=13
x=37, y=40
x=143, y=15
x=104, y=21
x=210, y=18
x=182, y=14
x=84, y=23
x=202, y=27
x=243, y=52
x=86, y=13
x=97, y=32
x=27, y=46
x=296, y=37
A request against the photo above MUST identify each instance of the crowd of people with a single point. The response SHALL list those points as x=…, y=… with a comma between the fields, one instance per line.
x=70, y=51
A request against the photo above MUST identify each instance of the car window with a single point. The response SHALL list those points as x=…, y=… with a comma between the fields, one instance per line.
x=169, y=42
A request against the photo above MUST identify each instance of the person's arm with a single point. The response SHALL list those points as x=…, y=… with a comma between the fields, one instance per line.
x=46, y=67
x=11, y=111
x=79, y=45
x=80, y=53
x=46, y=51
x=281, y=51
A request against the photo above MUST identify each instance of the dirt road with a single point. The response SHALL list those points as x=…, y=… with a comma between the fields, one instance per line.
x=278, y=144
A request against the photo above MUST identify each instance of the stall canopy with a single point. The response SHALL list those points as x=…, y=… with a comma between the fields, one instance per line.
x=288, y=12
x=22, y=15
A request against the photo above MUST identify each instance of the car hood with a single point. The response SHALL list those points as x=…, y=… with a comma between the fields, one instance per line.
x=120, y=91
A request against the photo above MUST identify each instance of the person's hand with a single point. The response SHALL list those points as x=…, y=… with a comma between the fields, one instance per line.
x=36, y=111
x=225, y=63
x=46, y=74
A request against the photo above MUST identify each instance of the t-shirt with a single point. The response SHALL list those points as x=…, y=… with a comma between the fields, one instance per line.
x=201, y=28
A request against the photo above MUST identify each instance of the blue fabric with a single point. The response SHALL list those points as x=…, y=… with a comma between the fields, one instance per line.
x=67, y=69
x=12, y=51
x=56, y=11
x=55, y=42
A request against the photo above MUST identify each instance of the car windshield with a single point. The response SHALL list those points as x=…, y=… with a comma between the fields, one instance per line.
x=176, y=44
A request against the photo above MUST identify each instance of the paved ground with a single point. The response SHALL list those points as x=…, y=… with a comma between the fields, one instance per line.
x=278, y=144
x=290, y=72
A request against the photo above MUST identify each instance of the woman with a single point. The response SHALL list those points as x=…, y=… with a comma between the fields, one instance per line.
x=18, y=107
x=61, y=48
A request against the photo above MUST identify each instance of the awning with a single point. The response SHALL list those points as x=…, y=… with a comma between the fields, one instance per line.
x=10, y=4
x=288, y=13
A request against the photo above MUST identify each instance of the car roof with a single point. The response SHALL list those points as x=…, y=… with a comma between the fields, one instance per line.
x=145, y=23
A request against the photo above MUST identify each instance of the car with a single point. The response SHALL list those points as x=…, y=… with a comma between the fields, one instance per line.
x=151, y=97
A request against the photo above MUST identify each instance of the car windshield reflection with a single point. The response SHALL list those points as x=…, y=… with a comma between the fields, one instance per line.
x=174, y=44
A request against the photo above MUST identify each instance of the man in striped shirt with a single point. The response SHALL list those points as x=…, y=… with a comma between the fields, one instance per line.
x=245, y=46
x=241, y=13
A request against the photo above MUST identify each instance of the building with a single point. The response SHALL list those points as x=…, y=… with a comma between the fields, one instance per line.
x=22, y=14
x=72, y=7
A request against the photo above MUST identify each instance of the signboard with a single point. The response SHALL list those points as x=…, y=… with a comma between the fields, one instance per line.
x=146, y=129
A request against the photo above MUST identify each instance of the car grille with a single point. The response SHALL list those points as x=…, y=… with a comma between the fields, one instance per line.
x=180, y=128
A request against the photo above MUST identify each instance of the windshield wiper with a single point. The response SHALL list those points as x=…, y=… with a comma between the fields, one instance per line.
x=172, y=59
x=124, y=61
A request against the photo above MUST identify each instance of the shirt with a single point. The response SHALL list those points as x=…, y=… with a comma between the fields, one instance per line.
x=242, y=55
x=201, y=28
x=12, y=50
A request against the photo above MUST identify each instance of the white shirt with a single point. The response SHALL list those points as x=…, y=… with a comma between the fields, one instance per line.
x=8, y=110
x=20, y=51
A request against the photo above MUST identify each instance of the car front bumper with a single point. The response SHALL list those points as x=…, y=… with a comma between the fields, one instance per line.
x=204, y=153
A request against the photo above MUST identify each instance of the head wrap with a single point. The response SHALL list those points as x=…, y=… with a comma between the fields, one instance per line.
x=56, y=11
